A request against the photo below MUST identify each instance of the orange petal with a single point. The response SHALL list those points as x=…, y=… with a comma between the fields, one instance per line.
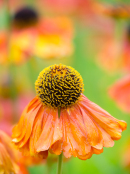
x=57, y=148
x=27, y=129
x=84, y=157
x=94, y=135
x=107, y=140
x=50, y=133
x=102, y=118
x=8, y=155
x=74, y=141
x=23, y=120
x=36, y=131
x=97, y=151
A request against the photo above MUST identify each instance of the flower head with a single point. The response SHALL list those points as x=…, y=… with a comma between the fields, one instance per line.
x=82, y=129
x=59, y=86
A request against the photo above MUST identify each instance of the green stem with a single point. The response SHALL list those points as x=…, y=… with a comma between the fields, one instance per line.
x=48, y=167
x=59, y=171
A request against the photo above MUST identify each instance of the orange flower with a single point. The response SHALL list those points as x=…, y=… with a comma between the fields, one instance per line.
x=109, y=56
x=120, y=92
x=17, y=48
x=51, y=37
x=8, y=155
x=125, y=53
x=114, y=53
x=116, y=11
x=54, y=39
x=82, y=129
x=11, y=160
x=125, y=57
x=16, y=44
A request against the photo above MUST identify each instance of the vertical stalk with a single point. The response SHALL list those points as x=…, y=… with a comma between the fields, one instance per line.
x=48, y=166
x=59, y=170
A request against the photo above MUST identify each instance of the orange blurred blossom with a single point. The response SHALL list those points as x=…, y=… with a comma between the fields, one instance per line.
x=55, y=38
x=125, y=52
x=120, y=10
x=114, y=54
x=11, y=161
x=109, y=55
x=120, y=93
x=8, y=155
x=32, y=35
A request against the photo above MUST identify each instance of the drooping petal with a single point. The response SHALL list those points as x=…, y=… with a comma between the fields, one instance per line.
x=103, y=119
x=23, y=120
x=50, y=133
x=26, y=121
x=36, y=131
x=74, y=139
x=94, y=136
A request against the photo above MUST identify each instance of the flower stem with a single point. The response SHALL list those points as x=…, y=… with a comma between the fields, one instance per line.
x=59, y=171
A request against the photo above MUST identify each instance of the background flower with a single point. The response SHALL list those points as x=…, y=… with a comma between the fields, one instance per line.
x=120, y=92
x=8, y=155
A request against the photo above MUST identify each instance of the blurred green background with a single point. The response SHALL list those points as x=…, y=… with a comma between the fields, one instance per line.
x=96, y=84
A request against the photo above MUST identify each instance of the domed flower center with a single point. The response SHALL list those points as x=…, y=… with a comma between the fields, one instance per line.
x=25, y=17
x=59, y=86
